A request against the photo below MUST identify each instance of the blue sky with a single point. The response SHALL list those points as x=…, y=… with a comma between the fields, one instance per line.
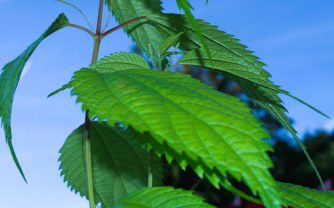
x=294, y=38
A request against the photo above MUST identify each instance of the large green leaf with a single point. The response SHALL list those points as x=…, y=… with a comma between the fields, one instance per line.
x=162, y=197
x=190, y=122
x=254, y=80
x=120, y=165
x=146, y=36
x=10, y=77
x=301, y=197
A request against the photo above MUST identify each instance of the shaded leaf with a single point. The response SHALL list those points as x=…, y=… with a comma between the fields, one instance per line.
x=119, y=164
x=225, y=61
x=169, y=24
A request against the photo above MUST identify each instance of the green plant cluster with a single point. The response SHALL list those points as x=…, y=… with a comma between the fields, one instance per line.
x=138, y=112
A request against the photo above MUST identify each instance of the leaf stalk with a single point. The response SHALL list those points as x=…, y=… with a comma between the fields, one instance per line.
x=81, y=28
x=87, y=138
x=150, y=169
x=122, y=25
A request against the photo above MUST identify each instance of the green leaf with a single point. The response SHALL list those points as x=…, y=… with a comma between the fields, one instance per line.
x=146, y=36
x=212, y=132
x=269, y=100
x=9, y=80
x=254, y=80
x=225, y=61
x=162, y=197
x=301, y=197
x=119, y=164
x=186, y=6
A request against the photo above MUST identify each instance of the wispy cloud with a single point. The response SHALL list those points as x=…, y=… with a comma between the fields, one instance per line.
x=286, y=37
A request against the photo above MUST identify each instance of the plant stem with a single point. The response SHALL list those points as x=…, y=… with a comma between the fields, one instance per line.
x=97, y=43
x=150, y=169
x=196, y=184
x=82, y=28
x=88, y=161
x=87, y=139
x=99, y=18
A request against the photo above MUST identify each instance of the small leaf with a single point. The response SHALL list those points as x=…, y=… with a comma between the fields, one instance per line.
x=212, y=132
x=119, y=164
x=9, y=80
x=119, y=62
x=64, y=87
x=168, y=43
x=301, y=197
x=162, y=197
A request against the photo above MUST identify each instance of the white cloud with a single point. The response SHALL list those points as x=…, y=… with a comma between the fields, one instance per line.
x=329, y=126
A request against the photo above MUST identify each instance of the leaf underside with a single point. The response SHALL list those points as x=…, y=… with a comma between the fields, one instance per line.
x=188, y=121
x=9, y=80
x=162, y=197
x=235, y=60
x=255, y=82
x=119, y=164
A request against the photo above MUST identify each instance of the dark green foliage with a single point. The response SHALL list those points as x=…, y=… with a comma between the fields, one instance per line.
x=119, y=163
